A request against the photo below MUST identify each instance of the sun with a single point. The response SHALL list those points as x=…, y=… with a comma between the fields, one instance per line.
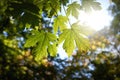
x=96, y=19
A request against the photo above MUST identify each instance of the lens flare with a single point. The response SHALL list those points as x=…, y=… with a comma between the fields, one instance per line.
x=96, y=19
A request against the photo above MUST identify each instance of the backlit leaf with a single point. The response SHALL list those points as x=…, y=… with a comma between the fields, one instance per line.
x=27, y=12
x=73, y=9
x=89, y=5
x=74, y=38
x=69, y=44
x=52, y=49
x=60, y=22
x=33, y=39
x=42, y=40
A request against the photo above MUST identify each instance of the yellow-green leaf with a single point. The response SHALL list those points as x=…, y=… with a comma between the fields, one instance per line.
x=73, y=9
x=69, y=44
x=33, y=39
x=60, y=22
x=74, y=38
x=52, y=49
x=42, y=40
x=89, y=5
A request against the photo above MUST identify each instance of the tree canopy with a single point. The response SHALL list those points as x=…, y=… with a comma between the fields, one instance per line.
x=32, y=30
x=42, y=25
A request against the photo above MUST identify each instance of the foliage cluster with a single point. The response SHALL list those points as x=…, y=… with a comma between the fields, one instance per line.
x=31, y=30
x=44, y=28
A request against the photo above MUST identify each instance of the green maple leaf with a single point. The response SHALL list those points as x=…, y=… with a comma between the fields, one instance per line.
x=88, y=5
x=41, y=41
x=52, y=49
x=33, y=39
x=69, y=44
x=60, y=22
x=31, y=12
x=73, y=9
x=74, y=38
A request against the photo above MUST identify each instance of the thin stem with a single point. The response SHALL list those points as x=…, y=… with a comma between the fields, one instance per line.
x=67, y=16
x=54, y=9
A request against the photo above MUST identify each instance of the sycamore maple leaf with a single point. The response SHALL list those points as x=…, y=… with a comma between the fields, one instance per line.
x=88, y=5
x=74, y=38
x=52, y=49
x=73, y=9
x=41, y=41
x=60, y=22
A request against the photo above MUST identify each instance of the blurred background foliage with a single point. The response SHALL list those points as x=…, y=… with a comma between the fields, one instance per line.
x=102, y=62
